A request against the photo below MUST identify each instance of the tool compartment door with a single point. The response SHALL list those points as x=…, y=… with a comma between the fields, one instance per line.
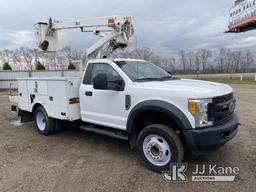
x=23, y=95
x=57, y=99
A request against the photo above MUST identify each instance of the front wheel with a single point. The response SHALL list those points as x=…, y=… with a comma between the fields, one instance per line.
x=158, y=146
x=44, y=124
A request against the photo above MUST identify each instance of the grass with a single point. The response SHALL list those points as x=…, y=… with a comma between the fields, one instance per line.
x=231, y=81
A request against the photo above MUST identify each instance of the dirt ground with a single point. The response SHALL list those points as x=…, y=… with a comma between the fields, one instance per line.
x=74, y=160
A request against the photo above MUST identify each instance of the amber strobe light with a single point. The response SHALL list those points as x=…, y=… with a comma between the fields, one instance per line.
x=111, y=21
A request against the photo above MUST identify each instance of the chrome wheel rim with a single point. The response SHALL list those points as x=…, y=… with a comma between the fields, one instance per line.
x=156, y=150
x=40, y=121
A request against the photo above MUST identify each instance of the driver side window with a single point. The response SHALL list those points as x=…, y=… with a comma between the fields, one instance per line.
x=112, y=75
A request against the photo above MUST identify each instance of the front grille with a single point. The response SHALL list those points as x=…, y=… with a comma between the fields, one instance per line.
x=222, y=121
x=219, y=109
x=223, y=98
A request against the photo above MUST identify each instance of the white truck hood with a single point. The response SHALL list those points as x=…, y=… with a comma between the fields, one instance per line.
x=196, y=88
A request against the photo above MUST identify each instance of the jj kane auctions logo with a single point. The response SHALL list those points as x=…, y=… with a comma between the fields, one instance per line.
x=177, y=173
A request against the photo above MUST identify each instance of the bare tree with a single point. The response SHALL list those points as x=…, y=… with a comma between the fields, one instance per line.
x=197, y=61
x=145, y=53
x=28, y=56
x=171, y=65
x=183, y=60
x=70, y=53
x=16, y=58
x=157, y=60
x=205, y=55
x=220, y=57
x=5, y=56
x=191, y=60
x=248, y=61
x=237, y=61
x=67, y=52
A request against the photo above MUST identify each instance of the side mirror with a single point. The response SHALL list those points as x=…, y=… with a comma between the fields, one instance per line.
x=100, y=81
x=119, y=85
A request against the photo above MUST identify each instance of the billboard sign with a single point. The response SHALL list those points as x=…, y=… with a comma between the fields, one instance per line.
x=242, y=13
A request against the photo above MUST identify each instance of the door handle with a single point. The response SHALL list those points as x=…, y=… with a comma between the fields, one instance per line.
x=88, y=93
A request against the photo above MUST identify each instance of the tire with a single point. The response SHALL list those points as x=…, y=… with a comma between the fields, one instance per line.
x=44, y=124
x=158, y=146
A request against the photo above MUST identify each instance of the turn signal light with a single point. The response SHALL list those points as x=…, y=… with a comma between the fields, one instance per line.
x=192, y=106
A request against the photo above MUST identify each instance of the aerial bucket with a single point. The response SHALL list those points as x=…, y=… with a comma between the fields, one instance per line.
x=47, y=39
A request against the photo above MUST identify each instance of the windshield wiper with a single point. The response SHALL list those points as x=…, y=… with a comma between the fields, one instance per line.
x=147, y=79
x=167, y=78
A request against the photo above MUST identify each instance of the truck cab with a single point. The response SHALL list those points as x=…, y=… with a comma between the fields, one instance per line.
x=160, y=115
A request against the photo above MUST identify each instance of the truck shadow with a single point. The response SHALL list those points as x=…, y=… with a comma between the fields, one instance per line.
x=122, y=148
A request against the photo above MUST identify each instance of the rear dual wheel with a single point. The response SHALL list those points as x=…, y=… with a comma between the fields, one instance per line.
x=45, y=125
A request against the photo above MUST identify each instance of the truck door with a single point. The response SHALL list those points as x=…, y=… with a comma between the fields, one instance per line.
x=102, y=107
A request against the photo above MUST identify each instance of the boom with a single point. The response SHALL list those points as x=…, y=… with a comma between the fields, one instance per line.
x=115, y=33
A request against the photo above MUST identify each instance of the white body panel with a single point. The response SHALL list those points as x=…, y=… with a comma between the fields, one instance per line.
x=104, y=107
x=107, y=107
x=23, y=96
x=53, y=94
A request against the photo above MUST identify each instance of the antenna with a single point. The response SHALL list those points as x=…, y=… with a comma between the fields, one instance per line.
x=136, y=42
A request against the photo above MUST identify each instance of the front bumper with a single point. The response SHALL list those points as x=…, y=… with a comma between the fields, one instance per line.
x=206, y=139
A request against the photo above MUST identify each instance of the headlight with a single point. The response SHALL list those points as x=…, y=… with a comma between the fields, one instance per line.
x=199, y=109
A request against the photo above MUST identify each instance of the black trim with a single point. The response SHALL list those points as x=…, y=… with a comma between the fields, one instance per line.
x=87, y=74
x=25, y=116
x=32, y=98
x=220, y=110
x=87, y=79
x=127, y=102
x=223, y=98
x=114, y=133
x=42, y=23
x=13, y=108
x=204, y=140
x=160, y=106
x=88, y=93
x=44, y=45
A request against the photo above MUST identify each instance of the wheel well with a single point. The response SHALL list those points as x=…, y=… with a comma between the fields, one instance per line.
x=36, y=106
x=149, y=117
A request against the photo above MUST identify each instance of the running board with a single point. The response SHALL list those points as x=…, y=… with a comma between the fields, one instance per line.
x=114, y=134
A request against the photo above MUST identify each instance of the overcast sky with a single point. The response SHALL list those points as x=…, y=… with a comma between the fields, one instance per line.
x=166, y=26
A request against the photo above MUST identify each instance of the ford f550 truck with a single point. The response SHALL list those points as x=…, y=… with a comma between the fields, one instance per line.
x=137, y=101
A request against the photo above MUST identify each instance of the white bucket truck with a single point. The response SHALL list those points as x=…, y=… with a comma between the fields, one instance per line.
x=128, y=99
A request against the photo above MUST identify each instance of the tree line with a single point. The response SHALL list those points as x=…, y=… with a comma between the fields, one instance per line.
x=25, y=58
x=222, y=60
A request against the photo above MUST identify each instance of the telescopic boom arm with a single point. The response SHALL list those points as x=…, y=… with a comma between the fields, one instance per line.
x=115, y=33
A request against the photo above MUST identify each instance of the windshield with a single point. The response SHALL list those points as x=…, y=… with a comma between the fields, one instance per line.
x=143, y=71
